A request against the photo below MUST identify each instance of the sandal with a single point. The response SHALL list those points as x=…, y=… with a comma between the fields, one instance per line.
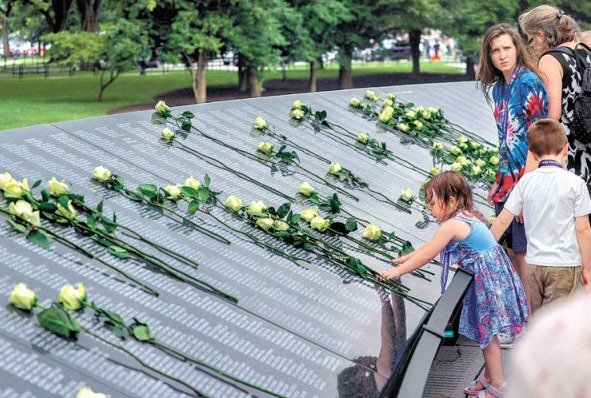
x=471, y=387
x=493, y=392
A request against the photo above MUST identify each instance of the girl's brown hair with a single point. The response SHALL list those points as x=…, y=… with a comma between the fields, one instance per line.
x=488, y=74
x=555, y=26
x=452, y=184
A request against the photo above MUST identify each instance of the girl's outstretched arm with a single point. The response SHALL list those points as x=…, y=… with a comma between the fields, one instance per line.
x=449, y=230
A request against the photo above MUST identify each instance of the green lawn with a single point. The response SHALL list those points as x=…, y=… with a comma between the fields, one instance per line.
x=35, y=100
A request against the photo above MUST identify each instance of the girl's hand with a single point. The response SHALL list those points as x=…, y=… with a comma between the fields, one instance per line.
x=392, y=273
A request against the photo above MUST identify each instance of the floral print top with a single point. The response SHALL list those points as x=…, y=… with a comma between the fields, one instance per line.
x=517, y=105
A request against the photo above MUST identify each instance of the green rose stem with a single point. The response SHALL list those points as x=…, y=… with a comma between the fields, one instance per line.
x=215, y=162
x=136, y=235
x=156, y=262
x=66, y=242
x=266, y=161
x=357, y=181
x=253, y=238
x=56, y=319
x=140, y=331
x=115, y=183
x=279, y=137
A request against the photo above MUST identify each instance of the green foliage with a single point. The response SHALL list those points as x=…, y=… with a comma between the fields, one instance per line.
x=59, y=321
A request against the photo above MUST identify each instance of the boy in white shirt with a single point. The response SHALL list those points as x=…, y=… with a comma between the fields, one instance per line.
x=555, y=205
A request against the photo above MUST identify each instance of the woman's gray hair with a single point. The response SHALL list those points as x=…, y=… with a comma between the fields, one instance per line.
x=555, y=26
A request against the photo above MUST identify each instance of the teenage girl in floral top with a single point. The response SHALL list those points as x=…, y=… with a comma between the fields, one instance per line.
x=509, y=71
x=495, y=302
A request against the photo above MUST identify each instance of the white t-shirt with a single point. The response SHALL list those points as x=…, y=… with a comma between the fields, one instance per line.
x=550, y=198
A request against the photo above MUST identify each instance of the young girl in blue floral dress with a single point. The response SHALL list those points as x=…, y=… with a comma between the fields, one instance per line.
x=495, y=302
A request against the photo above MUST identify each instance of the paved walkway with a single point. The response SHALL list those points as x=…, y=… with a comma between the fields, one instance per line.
x=455, y=366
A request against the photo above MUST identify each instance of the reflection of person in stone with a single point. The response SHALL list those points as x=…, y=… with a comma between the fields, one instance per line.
x=358, y=380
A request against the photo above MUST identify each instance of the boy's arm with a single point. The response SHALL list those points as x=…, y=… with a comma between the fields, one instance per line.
x=501, y=224
x=584, y=238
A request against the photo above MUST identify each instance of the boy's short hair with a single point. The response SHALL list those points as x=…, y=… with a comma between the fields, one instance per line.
x=546, y=137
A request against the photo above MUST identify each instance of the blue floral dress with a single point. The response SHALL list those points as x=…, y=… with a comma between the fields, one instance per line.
x=495, y=302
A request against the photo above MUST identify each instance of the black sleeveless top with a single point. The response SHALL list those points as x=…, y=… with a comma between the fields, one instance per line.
x=579, y=156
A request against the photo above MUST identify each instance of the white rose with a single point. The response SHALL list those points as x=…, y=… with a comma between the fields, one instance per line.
x=462, y=139
x=57, y=188
x=455, y=166
x=86, y=392
x=234, y=203
x=5, y=179
x=297, y=114
x=435, y=171
x=437, y=146
x=308, y=214
x=72, y=297
x=13, y=191
x=480, y=163
x=256, y=208
x=390, y=96
x=264, y=223
x=407, y=195
x=319, y=223
x=161, y=107
x=372, y=232
x=418, y=125
x=363, y=138
x=426, y=115
x=173, y=191
x=355, y=102
x=464, y=161
x=306, y=189
x=24, y=210
x=193, y=183
x=403, y=127
x=22, y=297
x=280, y=225
x=476, y=170
x=411, y=114
x=260, y=123
x=168, y=134
x=490, y=221
x=494, y=160
x=335, y=167
x=265, y=147
x=385, y=116
x=101, y=174
x=67, y=212
x=297, y=104
x=455, y=150
x=388, y=102
x=433, y=110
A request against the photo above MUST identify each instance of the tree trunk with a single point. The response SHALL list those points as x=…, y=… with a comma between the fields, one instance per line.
x=284, y=73
x=242, y=75
x=61, y=10
x=470, y=68
x=255, y=87
x=5, y=43
x=89, y=11
x=201, y=95
x=312, y=76
x=414, y=36
x=345, y=75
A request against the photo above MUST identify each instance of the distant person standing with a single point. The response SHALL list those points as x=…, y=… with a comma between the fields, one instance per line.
x=519, y=98
x=427, y=49
x=436, y=47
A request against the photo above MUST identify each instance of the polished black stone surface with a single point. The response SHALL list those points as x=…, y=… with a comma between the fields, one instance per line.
x=301, y=330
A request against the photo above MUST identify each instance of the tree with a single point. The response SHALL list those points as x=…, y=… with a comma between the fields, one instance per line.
x=194, y=32
x=89, y=11
x=55, y=12
x=354, y=32
x=256, y=33
x=5, y=11
x=114, y=50
x=320, y=19
x=411, y=16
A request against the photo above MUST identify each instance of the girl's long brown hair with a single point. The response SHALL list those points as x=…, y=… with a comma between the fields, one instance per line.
x=452, y=184
x=488, y=75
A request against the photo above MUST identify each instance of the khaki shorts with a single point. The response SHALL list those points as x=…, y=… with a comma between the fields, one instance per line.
x=547, y=284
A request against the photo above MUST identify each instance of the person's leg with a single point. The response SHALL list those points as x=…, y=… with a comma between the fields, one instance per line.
x=561, y=282
x=535, y=280
x=519, y=246
x=493, y=360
